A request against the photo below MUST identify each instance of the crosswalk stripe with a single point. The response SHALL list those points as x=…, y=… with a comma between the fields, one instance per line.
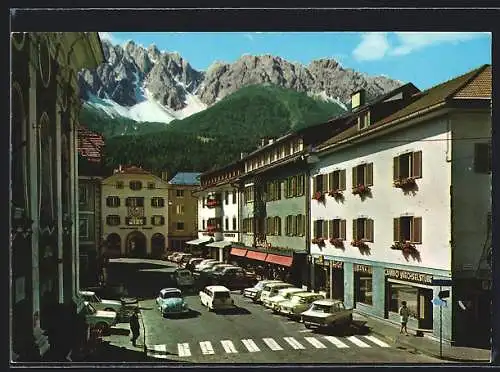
x=183, y=350
x=250, y=345
x=158, y=356
x=228, y=346
x=357, y=342
x=336, y=342
x=375, y=340
x=315, y=342
x=294, y=343
x=159, y=348
x=206, y=347
x=273, y=345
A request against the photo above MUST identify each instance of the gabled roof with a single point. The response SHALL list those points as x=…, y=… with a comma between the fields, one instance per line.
x=90, y=144
x=186, y=178
x=133, y=170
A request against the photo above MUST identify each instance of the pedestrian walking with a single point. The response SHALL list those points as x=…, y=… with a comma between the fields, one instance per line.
x=404, y=312
x=134, y=326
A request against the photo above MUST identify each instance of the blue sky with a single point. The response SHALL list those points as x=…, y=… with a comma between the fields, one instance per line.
x=423, y=58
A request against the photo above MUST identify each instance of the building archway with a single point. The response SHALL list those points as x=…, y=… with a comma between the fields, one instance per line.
x=157, y=245
x=114, y=245
x=136, y=244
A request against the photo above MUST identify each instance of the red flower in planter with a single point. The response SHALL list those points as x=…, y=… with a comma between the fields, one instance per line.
x=361, y=190
x=405, y=183
x=337, y=242
x=319, y=196
x=360, y=244
x=319, y=241
x=337, y=194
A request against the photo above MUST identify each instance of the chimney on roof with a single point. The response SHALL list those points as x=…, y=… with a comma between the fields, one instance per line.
x=358, y=98
x=271, y=140
x=164, y=176
x=263, y=142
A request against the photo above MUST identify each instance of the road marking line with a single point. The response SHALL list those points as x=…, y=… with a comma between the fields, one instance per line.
x=206, y=347
x=250, y=345
x=228, y=346
x=273, y=345
x=305, y=331
x=315, y=342
x=159, y=356
x=183, y=350
x=159, y=348
x=294, y=343
x=375, y=340
x=336, y=342
x=357, y=342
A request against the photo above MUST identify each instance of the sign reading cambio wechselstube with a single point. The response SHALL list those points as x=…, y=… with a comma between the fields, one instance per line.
x=409, y=276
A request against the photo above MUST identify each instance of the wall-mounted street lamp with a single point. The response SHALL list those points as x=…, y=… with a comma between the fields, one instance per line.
x=21, y=223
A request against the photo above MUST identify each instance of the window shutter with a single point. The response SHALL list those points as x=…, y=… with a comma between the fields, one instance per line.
x=342, y=229
x=369, y=230
x=314, y=184
x=330, y=227
x=369, y=174
x=354, y=177
x=325, y=183
x=127, y=202
x=417, y=230
x=342, y=179
x=330, y=181
x=325, y=229
x=315, y=229
x=294, y=225
x=355, y=229
x=417, y=164
x=397, y=229
x=395, y=168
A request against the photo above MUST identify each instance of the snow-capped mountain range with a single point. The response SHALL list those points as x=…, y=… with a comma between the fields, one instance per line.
x=145, y=84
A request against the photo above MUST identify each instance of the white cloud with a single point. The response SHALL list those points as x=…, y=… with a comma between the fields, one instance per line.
x=109, y=37
x=374, y=45
x=248, y=36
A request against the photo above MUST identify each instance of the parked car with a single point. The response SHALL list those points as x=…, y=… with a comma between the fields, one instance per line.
x=178, y=257
x=283, y=295
x=171, y=257
x=254, y=292
x=233, y=278
x=99, y=319
x=101, y=304
x=184, y=259
x=171, y=302
x=326, y=313
x=206, y=264
x=298, y=303
x=272, y=289
x=184, y=278
x=216, y=297
x=193, y=262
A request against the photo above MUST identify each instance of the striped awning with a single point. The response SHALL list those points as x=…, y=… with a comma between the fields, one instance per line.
x=238, y=252
x=279, y=260
x=259, y=256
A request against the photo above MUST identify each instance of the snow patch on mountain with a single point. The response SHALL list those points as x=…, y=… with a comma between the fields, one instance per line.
x=325, y=97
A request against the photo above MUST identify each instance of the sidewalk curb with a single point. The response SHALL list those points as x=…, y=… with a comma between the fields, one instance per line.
x=429, y=353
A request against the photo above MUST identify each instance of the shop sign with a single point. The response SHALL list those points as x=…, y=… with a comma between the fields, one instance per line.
x=409, y=276
x=362, y=268
x=336, y=265
x=230, y=235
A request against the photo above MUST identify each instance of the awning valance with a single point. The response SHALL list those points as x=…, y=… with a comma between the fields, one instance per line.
x=219, y=244
x=238, y=252
x=279, y=260
x=259, y=256
x=198, y=241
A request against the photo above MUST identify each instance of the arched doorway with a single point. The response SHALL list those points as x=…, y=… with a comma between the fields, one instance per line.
x=114, y=245
x=136, y=244
x=157, y=245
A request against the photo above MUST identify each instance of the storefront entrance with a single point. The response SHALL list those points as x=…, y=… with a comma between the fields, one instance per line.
x=157, y=245
x=136, y=244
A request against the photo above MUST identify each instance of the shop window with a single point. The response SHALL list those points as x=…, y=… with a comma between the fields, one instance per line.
x=179, y=226
x=119, y=184
x=135, y=185
x=407, y=165
x=113, y=201
x=401, y=292
x=157, y=220
x=320, y=229
x=134, y=202
x=337, y=229
x=362, y=229
x=482, y=158
x=113, y=220
x=336, y=180
x=362, y=175
x=364, y=288
x=179, y=209
x=157, y=202
x=234, y=196
x=320, y=183
x=151, y=185
x=235, y=227
x=408, y=229
x=179, y=193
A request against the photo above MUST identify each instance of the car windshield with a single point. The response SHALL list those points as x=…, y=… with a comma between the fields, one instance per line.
x=89, y=309
x=321, y=308
x=172, y=295
x=221, y=295
x=259, y=285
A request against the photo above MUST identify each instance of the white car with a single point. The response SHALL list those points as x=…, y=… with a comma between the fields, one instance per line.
x=101, y=304
x=254, y=292
x=218, y=268
x=178, y=258
x=326, y=313
x=205, y=265
x=299, y=303
x=283, y=295
x=272, y=289
x=171, y=257
x=216, y=297
x=99, y=319
x=171, y=302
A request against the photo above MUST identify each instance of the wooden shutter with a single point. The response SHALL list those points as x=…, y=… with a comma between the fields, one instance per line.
x=342, y=179
x=330, y=227
x=369, y=174
x=315, y=183
x=416, y=233
x=330, y=181
x=369, y=230
x=397, y=229
x=294, y=225
x=127, y=202
x=325, y=229
x=417, y=164
x=325, y=183
x=315, y=229
x=342, y=229
x=395, y=169
x=355, y=229
x=354, y=177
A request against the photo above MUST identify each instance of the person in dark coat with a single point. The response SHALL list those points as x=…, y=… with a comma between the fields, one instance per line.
x=134, y=326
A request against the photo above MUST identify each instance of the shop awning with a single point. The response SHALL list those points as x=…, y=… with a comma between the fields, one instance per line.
x=279, y=260
x=219, y=244
x=238, y=252
x=198, y=241
x=259, y=256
